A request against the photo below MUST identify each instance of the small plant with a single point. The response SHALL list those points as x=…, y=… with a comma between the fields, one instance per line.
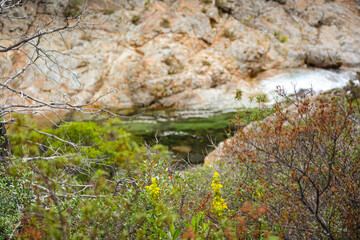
x=261, y=98
x=229, y=34
x=175, y=66
x=74, y=8
x=165, y=23
x=107, y=11
x=245, y=115
x=205, y=63
x=239, y=94
x=147, y=4
x=135, y=19
x=277, y=34
x=282, y=38
x=198, y=228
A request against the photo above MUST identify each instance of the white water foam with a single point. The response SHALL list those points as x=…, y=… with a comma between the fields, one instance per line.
x=317, y=79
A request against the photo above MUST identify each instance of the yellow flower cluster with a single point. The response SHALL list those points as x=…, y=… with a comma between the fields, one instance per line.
x=153, y=189
x=218, y=204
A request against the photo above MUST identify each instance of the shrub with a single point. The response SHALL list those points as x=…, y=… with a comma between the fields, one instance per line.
x=80, y=191
x=307, y=165
x=294, y=174
x=15, y=196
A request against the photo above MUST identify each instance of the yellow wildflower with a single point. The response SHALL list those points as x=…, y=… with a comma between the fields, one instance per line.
x=153, y=189
x=218, y=204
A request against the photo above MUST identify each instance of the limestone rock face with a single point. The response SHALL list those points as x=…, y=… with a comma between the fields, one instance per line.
x=186, y=53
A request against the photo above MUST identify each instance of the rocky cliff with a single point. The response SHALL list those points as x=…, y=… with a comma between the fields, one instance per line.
x=187, y=53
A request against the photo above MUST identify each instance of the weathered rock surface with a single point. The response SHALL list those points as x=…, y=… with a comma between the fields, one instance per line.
x=323, y=58
x=188, y=53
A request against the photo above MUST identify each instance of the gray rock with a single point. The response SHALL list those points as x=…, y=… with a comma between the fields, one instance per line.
x=323, y=58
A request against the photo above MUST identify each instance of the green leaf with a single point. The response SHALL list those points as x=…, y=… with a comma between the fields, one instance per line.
x=172, y=229
x=177, y=233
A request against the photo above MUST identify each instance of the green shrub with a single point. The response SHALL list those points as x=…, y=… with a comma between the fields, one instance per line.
x=15, y=197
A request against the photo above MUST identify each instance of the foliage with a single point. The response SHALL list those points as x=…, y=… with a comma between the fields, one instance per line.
x=135, y=19
x=150, y=201
x=218, y=204
x=294, y=174
x=307, y=160
x=107, y=11
x=153, y=189
x=74, y=9
x=15, y=193
x=84, y=139
x=282, y=38
x=245, y=115
x=353, y=94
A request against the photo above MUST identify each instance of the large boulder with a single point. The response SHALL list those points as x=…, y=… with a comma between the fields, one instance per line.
x=323, y=58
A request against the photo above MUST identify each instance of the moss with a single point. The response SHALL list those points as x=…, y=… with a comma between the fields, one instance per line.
x=205, y=63
x=229, y=34
x=108, y=11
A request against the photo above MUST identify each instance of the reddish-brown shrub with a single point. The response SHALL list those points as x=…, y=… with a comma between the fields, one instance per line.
x=309, y=160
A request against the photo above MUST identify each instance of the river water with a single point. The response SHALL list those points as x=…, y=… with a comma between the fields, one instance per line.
x=192, y=133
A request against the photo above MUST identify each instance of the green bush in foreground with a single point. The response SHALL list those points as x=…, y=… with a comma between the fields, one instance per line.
x=81, y=191
x=15, y=194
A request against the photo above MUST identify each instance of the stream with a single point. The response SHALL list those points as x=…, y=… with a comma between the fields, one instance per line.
x=192, y=133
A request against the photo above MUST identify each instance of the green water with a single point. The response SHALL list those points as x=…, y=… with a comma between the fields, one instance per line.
x=198, y=134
